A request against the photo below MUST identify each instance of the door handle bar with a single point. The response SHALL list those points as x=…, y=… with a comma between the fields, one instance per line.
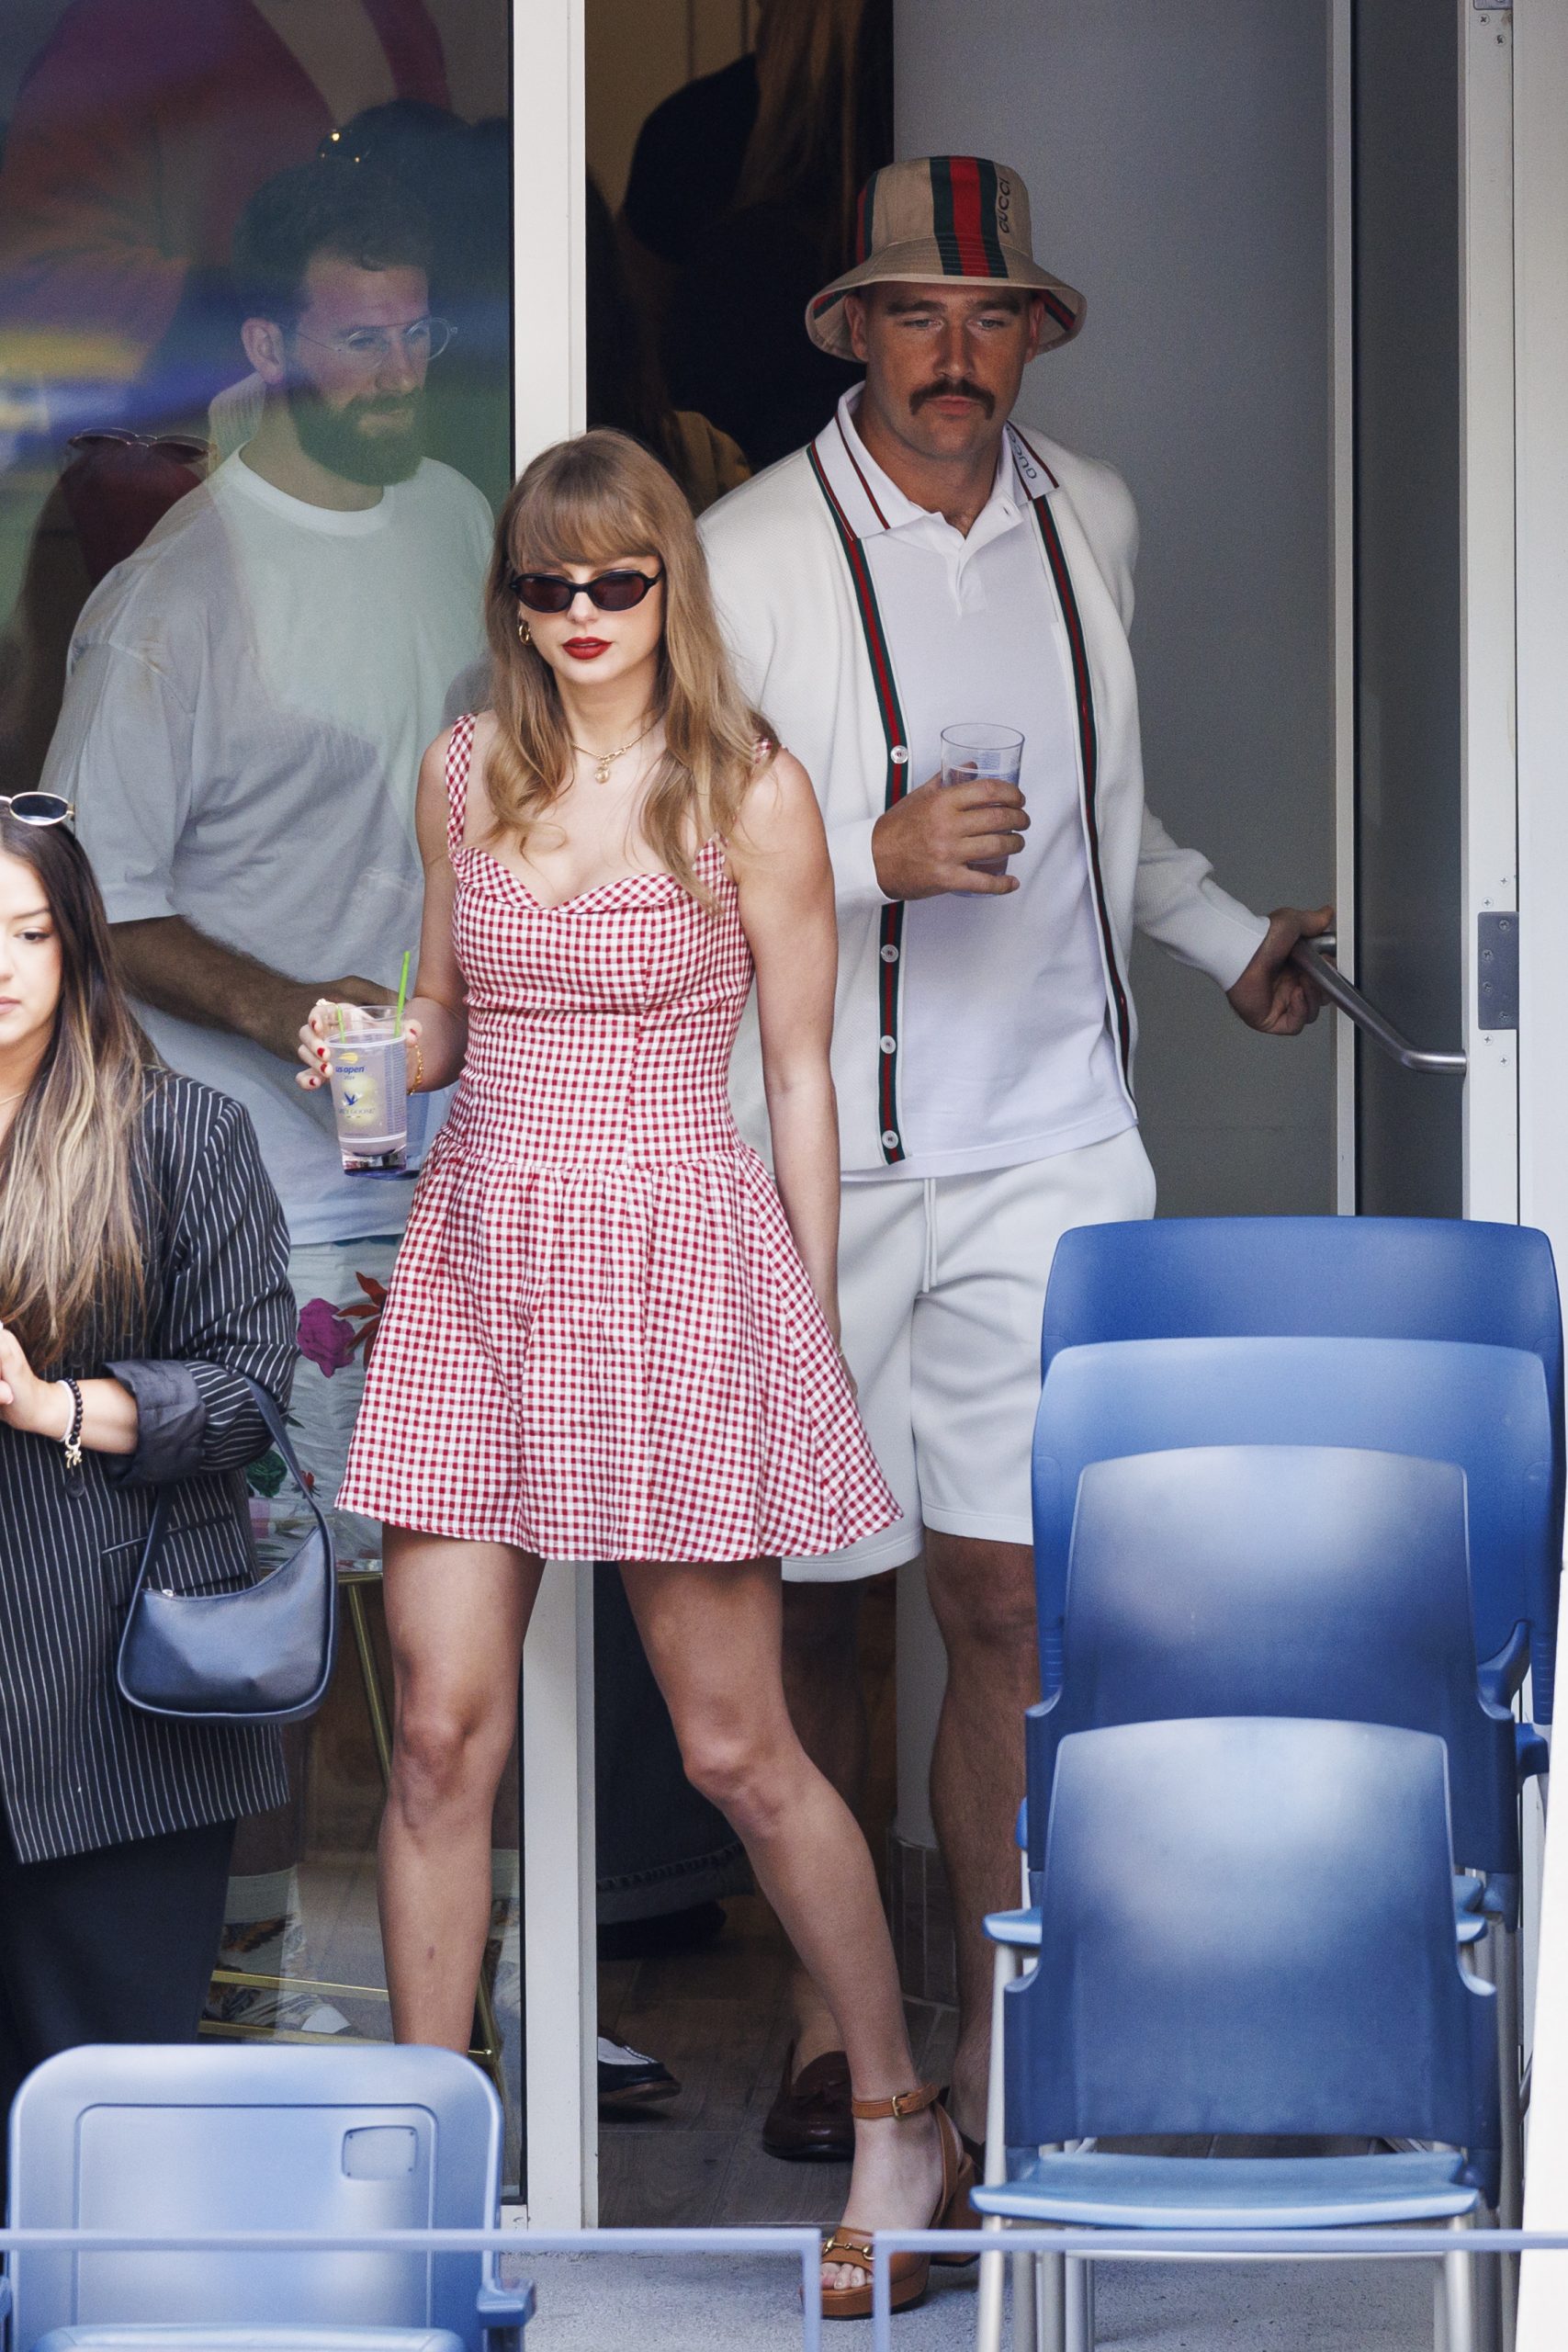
x=1308, y=957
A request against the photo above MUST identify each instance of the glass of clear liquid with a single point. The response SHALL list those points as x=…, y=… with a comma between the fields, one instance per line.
x=370, y=1088
x=980, y=750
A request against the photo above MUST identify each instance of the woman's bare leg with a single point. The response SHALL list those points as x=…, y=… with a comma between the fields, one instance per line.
x=713, y=1637
x=456, y=1615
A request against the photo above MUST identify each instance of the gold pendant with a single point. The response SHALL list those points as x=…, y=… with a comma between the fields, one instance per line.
x=603, y=773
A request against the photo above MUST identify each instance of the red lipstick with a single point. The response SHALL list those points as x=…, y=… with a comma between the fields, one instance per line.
x=586, y=648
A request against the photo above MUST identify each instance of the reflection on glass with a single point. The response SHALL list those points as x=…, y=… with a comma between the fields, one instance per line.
x=253, y=404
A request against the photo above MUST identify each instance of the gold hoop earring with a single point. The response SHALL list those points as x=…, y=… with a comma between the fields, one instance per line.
x=525, y=634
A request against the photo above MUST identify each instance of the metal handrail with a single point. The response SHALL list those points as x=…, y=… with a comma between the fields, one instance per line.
x=1308, y=957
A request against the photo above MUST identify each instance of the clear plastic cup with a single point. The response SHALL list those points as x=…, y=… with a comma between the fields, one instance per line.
x=370, y=1088
x=979, y=749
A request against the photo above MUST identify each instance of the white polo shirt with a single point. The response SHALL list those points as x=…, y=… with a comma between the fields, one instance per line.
x=1005, y=1050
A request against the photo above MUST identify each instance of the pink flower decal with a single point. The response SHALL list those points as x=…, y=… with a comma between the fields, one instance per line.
x=326, y=1336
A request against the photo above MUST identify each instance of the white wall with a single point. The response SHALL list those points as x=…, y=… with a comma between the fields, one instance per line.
x=1177, y=158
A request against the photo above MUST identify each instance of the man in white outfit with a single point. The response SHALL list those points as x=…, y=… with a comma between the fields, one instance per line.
x=926, y=563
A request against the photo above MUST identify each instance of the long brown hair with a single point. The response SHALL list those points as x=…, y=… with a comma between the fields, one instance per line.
x=589, y=500
x=820, y=129
x=70, y=1252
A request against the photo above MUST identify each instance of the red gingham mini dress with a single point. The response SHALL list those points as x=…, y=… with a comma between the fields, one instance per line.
x=599, y=1343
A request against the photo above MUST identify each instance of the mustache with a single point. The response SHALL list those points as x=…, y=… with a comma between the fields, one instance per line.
x=954, y=387
x=386, y=405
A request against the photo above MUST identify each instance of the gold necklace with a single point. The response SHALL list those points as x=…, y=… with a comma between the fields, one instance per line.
x=605, y=761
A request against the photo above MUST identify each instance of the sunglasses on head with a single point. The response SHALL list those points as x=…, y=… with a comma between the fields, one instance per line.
x=182, y=447
x=37, y=807
x=608, y=592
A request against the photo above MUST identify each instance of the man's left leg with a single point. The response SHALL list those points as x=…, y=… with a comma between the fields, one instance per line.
x=983, y=1596
x=974, y=1389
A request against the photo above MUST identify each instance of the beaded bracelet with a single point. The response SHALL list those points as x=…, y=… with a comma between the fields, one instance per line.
x=71, y=1440
x=417, y=1087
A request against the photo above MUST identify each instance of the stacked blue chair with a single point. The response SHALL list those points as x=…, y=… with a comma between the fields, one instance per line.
x=1325, y=1277
x=1278, y=1581
x=1487, y=1409
x=1250, y=2009
x=1281, y=1580
x=1424, y=1338
x=1484, y=1407
x=152, y=2143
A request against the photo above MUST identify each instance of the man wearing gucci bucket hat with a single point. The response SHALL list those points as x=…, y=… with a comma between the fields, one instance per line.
x=923, y=564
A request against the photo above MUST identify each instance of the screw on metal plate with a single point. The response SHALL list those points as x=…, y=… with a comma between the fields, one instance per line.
x=1497, y=971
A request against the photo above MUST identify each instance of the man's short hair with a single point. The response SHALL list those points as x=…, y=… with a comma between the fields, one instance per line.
x=331, y=206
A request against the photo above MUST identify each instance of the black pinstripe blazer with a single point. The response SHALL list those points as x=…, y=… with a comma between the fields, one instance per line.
x=78, y=1768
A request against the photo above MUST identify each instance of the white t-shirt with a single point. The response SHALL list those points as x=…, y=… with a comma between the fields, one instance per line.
x=248, y=700
x=1005, y=1050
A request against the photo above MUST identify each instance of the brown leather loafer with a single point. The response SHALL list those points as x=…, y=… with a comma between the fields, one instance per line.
x=809, y=2121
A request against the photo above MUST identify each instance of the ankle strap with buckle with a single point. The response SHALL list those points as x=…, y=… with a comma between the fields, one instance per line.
x=902, y=2103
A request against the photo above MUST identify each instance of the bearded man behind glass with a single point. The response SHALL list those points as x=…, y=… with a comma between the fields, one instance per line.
x=248, y=698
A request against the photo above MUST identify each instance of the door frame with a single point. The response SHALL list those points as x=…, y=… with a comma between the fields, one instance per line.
x=1540, y=357
x=1342, y=546
x=556, y=1734
x=1490, y=781
x=1489, y=777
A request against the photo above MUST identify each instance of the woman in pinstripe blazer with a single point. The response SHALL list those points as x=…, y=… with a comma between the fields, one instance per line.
x=142, y=1270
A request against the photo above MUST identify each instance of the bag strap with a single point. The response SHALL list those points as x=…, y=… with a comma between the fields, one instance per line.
x=267, y=1407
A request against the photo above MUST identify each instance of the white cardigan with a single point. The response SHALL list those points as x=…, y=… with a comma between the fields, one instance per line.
x=788, y=600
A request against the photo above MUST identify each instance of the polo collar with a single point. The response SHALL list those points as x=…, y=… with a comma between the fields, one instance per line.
x=872, y=501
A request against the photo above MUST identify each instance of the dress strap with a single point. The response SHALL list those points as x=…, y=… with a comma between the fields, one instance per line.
x=459, y=759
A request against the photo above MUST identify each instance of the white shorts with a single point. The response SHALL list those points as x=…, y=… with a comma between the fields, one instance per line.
x=941, y=1286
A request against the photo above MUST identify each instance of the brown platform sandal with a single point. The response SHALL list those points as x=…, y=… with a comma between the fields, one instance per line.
x=964, y=2217
x=910, y=2273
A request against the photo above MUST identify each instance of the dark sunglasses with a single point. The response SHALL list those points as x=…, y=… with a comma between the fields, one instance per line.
x=188, y=451
x=608, y=592
x=37, y=807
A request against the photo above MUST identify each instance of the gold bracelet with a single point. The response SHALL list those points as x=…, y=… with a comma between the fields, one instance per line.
x=418, y=1086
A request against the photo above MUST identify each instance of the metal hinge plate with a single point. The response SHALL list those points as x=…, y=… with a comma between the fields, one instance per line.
x=1497, y=971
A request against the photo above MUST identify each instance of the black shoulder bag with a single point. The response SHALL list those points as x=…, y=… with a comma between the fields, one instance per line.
x=262, y=1655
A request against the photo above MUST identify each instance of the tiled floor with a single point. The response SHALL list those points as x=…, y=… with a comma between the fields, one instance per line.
x=684, y=2304
x=717, y=2018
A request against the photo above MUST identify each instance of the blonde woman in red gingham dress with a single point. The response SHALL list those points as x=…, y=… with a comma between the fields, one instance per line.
x=608, y=1337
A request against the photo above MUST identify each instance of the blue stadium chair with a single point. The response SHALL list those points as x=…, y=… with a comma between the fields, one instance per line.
x=1319, y=1277
x=160, y=2142
x=1280, y=1580
x=1487, y=1409
x=1310, y=1278
x=1253, y=2012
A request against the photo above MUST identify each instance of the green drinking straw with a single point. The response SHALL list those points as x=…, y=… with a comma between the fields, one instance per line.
x=403, y=989
x=342, y=1024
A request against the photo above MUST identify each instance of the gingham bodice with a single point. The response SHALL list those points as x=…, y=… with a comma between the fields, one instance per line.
x=600, y=1029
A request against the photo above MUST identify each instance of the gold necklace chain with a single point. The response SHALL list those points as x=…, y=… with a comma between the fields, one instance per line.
x=605, y=761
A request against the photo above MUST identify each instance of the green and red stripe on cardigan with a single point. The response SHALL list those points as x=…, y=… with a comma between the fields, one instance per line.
x=891, y=927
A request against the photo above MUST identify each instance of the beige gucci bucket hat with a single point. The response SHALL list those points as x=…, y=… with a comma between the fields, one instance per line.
x=944, y=220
